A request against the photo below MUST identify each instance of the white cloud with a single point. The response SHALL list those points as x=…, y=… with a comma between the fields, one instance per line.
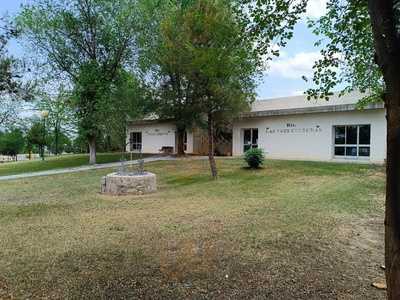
x=294, y=67
x=316, y=8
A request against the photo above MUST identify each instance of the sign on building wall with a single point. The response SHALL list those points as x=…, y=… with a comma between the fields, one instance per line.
x=157, y=132
x=292, y=129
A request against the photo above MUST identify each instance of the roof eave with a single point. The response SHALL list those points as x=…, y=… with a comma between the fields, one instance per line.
x=149, y=122
x=309, y=110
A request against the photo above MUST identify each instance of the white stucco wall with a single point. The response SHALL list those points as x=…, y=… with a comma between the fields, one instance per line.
x=307, y=143
x=154, y=136
x=157, y=135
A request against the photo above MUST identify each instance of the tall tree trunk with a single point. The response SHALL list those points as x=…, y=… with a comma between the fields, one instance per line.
x=392, y=214
x=56, y=137
x=211, y=158
x=181, y=141
x=387, y=55
x=92, y=150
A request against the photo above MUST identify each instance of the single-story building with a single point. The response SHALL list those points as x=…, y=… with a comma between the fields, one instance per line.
x=285, y=128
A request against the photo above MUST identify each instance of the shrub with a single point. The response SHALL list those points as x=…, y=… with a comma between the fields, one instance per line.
x=254, y=157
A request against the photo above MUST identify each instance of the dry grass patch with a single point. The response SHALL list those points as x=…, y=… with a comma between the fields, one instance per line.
x=290, y=230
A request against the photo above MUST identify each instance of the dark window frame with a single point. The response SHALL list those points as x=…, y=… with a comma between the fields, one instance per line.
x=252, y=143
x=135, y=141
x=351, y=150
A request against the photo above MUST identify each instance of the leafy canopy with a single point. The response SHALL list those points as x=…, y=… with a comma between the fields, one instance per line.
x=87, y=44
x=12, y=142
x=348, y=52
x=71, y=34
x=219, y=60
x=269, y=23
x=12, y=87
x=36, y=135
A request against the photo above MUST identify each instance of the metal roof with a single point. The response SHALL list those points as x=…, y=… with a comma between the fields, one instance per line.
x=290, y=106
x=308, y=110
x=301, y=105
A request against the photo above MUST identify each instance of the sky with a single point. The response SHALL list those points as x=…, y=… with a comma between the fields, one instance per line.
x=284, y=75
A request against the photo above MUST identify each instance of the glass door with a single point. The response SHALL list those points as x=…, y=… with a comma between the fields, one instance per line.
x=136, y=141
x=250, y=138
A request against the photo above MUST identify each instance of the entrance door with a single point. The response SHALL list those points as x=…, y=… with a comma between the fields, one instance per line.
x=136, y=141
x=250, y=138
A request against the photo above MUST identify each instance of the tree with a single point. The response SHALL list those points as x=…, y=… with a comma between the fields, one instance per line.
x=366, y=35
x=164, y=62
x=79, y=144
x=37, y=136
x=60, y=143
x=169, y=61
x=229, y=43
x=8, y=112
x=12, y=142
x=9, y=83
x=130, y=98
x=218, y=62
x=61, y=118
x=270, y=23
x=12, y=88
x=88, y=43
x=347, y=40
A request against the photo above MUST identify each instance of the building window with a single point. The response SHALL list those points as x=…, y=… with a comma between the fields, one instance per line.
x=352, y=141
x=135, y=141
x=250, y=138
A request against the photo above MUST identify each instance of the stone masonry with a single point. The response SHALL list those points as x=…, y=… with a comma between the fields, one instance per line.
x=138, y=184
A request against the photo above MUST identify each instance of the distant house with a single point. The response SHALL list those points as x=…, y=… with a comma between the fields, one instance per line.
x=285, y=128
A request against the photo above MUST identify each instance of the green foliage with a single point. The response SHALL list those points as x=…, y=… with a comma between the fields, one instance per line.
x=71, y=34
x=269, y=23
x=164, y=58
x=90, y=93
x=12, y=87
x=347, y=54
x=60, y=120
x=36, y=135
x=88, y=42
x=221, y=64
x=206, y=59
x=12, y=142
x=254, y=157
x=59, y=143
x=79, y=144
x=130, y=100
x=201, y=61
x=9, y=83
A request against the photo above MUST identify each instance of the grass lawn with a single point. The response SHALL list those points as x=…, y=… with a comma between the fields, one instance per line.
x=293, y=230
x=60, y=162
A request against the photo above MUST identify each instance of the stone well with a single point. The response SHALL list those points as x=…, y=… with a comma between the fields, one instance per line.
x=124, y=184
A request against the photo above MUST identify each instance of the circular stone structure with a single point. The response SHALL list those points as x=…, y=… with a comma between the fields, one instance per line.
x=124, y=184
